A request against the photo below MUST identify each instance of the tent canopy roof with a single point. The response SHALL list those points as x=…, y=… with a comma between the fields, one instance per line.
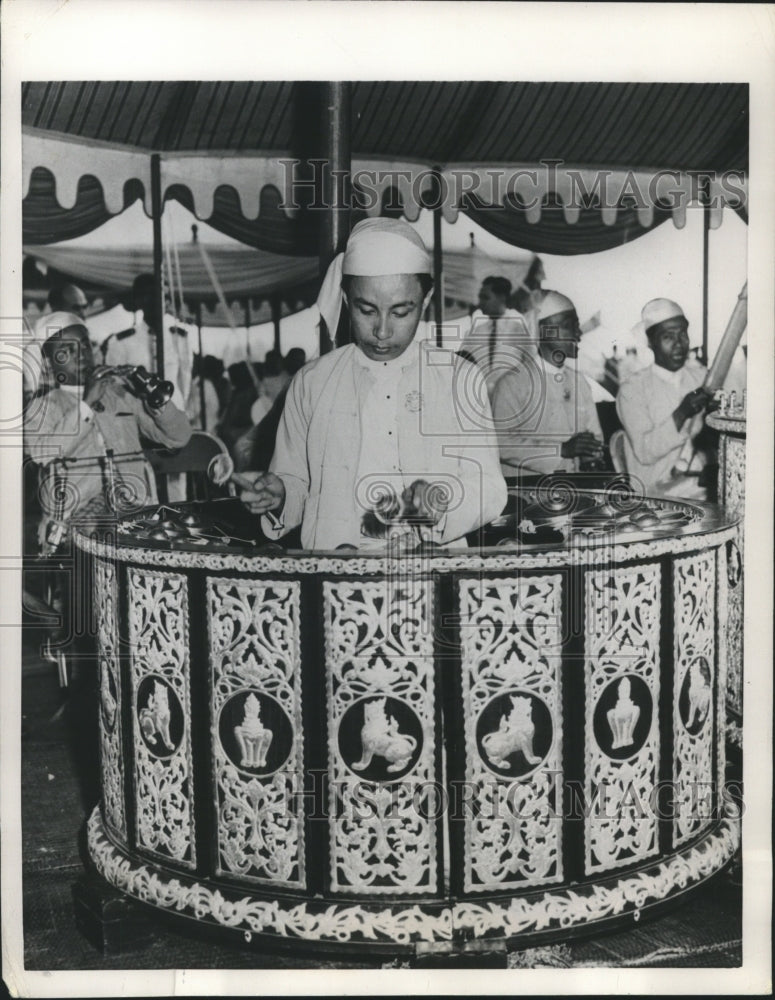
x=698, y=126
x=222, y=146
x=246, y=273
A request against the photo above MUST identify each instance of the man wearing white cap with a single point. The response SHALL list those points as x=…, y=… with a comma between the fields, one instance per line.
x=543, y=409
x=64, y=300
x=88, y=416
x=375, y=425
x=661, y=408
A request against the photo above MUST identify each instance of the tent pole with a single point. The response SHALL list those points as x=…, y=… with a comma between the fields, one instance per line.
x=201, y=366
x=334, y=181
x=276, y=304
x=158, y=303
x=438, y=261
x=705, y=270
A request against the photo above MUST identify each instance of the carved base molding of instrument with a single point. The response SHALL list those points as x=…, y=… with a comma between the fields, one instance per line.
x=402, y=926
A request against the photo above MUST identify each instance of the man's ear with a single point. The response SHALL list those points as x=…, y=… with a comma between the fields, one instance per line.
x=427, y=300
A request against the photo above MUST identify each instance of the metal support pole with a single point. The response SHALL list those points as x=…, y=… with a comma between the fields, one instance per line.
x=705, y=269
x=158, y=292
x=438, y=261
x=248, y=324
x=276, y=304
x=201, y=367
x=335, y=185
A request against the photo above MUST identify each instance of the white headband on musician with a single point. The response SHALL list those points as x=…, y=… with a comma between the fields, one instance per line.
x=375, y=247
x=52, y=323
x=660, y=310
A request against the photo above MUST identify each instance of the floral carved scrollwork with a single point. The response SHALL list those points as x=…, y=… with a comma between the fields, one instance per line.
x=159, y=670
x=111, y=757
x=732, y=479
x=732, y=610
x=621, y=676
x=444, y=561
x=694, y=599
x=563, y=908
x=255, y=665
x=379, y=657
x=722, y=645
x=510, y=634
x=406, y=924
x=732, y=473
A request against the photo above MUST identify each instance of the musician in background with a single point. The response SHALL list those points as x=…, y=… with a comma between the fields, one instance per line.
x=137, y=345
x=543, y=408
x=73, y=429
x=497, y=334
x=67, y=298
x=662, y=409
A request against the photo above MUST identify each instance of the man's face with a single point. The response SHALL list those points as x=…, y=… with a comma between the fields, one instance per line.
x=559, y=336
x=385, y=312
x=491, y=304
x=670, y=343
x=71, y=358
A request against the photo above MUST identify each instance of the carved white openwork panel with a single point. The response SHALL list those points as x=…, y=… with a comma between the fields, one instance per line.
x=694, y=599
x=621, y=675
x=722, y=659
x=111, y=756
x=164, y=793
x=731, y=609
x=733, y=473
x=511, y=645
x=381, y=735
x=732, y=479
x=257, y=734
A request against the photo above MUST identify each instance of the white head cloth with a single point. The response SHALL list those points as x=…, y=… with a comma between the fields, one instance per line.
x=53, y=322
x=553, y=303
x=660, y=310
x=375, y=247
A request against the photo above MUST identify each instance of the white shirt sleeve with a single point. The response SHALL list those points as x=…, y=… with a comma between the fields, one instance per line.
x=650, y=438
x=289, y=462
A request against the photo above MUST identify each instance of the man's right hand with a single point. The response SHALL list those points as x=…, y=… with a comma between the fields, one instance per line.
x=693, y=402
x=582, y=445
x=261, y=492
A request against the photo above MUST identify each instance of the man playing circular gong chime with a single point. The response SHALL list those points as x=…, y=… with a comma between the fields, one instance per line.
x=662, y=409
x=544, y=409
x=378, y=442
